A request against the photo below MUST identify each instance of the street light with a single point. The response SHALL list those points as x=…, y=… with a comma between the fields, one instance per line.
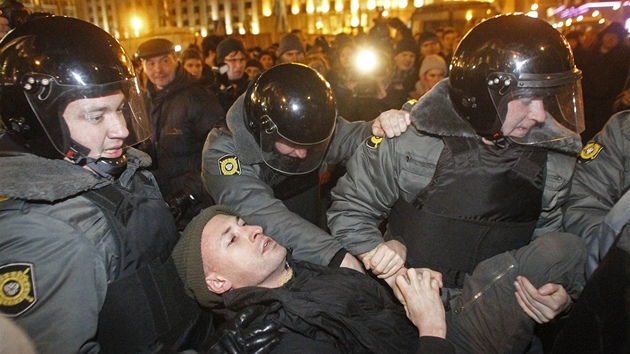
x=136, y=23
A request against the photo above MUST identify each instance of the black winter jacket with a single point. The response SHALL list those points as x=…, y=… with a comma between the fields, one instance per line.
x=181, y=114
x=339, y=307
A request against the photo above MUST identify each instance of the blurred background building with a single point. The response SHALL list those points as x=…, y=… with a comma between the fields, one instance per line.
x=262, y=22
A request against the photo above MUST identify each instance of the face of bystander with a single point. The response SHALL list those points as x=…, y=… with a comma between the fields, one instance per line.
x=292, y=56
x=267, y=61
x=194, y=67
x=252, y=71
x=236, y=65
x=404, y=60
x=430, y=47
x=160, y=69
x=431, y=78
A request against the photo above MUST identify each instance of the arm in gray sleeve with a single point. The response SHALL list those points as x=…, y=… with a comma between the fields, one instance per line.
x=67, y=278
x=347, y=137
x=557, y=187
x=600, y=179
x=255, y=201
x=364, y=196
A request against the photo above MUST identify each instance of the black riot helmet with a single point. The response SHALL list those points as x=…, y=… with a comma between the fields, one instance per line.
x=290, y=107
x=50, y=62
x=515, y=63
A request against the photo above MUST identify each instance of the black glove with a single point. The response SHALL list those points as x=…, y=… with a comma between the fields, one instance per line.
x=180, y=204
x=239, y=337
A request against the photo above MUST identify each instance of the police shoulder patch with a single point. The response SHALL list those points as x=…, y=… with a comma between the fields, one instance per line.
x=17, y=288
x=229, y=165
x=373, y=142
x=590, y=152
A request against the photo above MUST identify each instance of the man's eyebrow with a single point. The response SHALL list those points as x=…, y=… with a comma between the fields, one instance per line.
x=228, y=231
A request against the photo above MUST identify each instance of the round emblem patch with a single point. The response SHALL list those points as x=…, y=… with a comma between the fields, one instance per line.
x=17, y=288
x=228, y=165
x=373, y=142
x=590, y=152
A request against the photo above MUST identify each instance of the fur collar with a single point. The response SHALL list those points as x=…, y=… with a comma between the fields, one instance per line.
x=247, y=148
x=434, y=114
x=30, y=177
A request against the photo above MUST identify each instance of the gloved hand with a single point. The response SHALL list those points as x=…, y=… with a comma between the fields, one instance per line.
x=180, y=204
x=239, y=337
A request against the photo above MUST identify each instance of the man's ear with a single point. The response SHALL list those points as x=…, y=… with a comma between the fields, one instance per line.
x=218, y=284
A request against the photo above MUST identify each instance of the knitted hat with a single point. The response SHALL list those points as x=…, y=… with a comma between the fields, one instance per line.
x=255, y=63
x=428, y=36
x=290, y=42
x=406, y=45
x=228, y=46
x=187, y=257
x=155, y=47
x=432, y=61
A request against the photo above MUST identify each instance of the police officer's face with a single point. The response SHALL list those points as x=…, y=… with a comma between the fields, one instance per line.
x=287, y=149
x=522, y=115
x=98, y=124
x=236, y=63
x=236, y=255
x=161, y=69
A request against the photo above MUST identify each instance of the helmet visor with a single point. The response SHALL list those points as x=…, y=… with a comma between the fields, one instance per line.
x=287, y=156
x=49, y=99
x=534, y=114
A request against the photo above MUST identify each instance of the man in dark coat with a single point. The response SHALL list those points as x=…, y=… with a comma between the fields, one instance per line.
x=182, y=113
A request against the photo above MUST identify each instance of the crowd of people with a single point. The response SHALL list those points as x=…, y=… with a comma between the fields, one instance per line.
x=280, y=200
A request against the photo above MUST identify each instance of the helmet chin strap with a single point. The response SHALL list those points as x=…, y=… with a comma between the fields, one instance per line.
x=498, y=139
x=104, y=167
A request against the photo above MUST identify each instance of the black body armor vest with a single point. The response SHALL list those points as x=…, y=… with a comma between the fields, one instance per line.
x=482, y=201
x=299, y=193
x=145, y=307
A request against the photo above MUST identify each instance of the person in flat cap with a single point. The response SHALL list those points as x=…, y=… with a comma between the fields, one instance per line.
x=230, y=77
x=291, y=49
x=182, y=113
x=227, y=263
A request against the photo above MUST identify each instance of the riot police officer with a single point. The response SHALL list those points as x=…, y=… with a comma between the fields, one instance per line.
x=475, y=190
x=86, y=236
x=266, y=163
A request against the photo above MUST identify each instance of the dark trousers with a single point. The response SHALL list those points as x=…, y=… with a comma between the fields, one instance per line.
x=486, y=317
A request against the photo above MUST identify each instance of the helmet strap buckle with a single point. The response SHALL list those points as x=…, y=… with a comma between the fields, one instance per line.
x=499, y=140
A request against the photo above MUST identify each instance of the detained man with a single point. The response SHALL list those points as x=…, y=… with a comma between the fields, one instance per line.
x=226, y=262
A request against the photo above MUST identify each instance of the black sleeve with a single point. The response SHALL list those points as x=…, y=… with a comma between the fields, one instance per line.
x=428, y=344
x=335, y=262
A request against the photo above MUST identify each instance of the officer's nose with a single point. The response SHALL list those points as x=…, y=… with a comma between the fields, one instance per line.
x=537, y=111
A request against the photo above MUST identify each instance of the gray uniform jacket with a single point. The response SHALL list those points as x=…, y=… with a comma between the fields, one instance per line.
x=243, y=188
x=381, y=173
x=601, y=178
x=57, y=250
